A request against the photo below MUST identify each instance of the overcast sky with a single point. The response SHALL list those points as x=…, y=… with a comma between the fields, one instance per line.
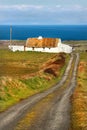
x=39, y=12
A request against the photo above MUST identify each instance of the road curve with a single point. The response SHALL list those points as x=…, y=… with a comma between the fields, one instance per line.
x=9, y=118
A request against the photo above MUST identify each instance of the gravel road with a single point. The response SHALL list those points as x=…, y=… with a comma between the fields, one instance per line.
x=56, y=116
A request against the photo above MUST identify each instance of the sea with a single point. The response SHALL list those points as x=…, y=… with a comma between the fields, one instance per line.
x=65, y=32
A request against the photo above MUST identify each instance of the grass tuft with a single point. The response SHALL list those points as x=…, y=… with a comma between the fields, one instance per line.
x=79, y=98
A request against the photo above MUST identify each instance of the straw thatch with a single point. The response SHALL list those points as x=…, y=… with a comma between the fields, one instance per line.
x=44, y=42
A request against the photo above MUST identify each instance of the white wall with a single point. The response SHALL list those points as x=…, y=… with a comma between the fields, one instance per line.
x=16, y=48
x=61, y=48
x=65, y=48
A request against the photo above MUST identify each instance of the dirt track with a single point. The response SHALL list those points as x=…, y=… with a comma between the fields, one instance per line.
x=55, y=113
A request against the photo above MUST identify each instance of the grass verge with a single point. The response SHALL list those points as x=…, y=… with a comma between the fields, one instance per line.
x=79, y=98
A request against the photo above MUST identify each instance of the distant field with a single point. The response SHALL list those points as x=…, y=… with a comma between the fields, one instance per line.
x=79, y=98
x=23, y=74
x=21, y=63
x=82, y=42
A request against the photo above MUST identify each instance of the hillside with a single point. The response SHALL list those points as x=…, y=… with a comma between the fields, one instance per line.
x=23, y=74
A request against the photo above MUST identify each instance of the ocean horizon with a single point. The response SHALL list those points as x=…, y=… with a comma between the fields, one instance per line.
x=65, y=32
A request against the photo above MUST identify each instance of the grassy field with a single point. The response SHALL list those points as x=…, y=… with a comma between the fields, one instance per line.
x=81, y=42
x=23, y=74
x=21, y=63
x=79, y=98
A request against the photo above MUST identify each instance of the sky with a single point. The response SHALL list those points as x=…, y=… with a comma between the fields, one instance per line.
x=43, y=12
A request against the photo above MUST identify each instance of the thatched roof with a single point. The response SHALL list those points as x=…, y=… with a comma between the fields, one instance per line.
x=42, y=42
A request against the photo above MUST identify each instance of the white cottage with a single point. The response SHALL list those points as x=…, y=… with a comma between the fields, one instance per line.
x=51, y=45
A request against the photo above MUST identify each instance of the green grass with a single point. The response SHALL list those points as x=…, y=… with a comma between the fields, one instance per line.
x=14, y=90
x=83, y=57
x=71, y=42
x=14, y=65
x=21, y=63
